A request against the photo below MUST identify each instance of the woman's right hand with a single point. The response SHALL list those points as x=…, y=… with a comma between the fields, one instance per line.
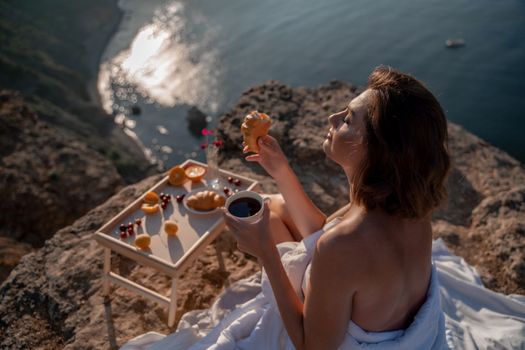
x=270, y=156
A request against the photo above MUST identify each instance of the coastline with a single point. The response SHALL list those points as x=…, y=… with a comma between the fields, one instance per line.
x=105, y=157
x=56, y=73
x=95, y=47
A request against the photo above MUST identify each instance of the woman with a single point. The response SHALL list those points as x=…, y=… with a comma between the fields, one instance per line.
x=371, y=266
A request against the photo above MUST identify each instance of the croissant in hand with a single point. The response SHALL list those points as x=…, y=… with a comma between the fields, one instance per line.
x=255, y=125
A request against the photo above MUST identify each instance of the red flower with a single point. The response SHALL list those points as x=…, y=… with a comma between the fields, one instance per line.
x=205, y=132
x=217, y=143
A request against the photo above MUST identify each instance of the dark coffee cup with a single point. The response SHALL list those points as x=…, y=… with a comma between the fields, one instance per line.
x=245, y=205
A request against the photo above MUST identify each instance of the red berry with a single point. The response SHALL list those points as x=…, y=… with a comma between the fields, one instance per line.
x=123, y=235
x=237, y=182
x=167, y=196
x=123, y=227
x=180, y=197
x=226, y=190
x=164, y=205
x=230, y=179
x=138, y=222
x=130, y=225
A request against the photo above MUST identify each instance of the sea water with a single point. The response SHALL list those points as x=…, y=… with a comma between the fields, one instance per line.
x=170, y=55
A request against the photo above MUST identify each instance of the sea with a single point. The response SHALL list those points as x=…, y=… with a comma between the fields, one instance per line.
x=168, y=56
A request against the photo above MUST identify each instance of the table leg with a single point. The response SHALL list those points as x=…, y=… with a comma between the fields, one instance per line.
x=220, y=259
x=173, y=302
x=107, y=269
x=222, y=266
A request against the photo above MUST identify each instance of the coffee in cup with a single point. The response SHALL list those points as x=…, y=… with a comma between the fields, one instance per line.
x=245, y=205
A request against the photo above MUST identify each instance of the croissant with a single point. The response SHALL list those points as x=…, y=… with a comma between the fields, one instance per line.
x=205, y=201
x=255, y=125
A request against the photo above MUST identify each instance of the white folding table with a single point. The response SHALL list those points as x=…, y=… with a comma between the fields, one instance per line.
x=171, y=255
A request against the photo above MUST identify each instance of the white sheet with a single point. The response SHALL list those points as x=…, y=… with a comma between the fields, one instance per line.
x=245, y=316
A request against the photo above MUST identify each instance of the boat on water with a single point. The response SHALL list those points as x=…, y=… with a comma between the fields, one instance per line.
x=455, y=43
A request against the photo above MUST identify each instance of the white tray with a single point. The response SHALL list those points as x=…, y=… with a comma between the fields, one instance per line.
x=172, y=255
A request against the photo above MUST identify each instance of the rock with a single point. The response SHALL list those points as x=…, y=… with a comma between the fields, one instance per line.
x=196, y=121
x=11, y=251
x=136, y=110
x=57, y=72
x=47, y=178
x=500, y=221
x=52, y=300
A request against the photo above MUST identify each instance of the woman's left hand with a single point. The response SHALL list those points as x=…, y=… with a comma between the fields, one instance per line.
x=252, y=238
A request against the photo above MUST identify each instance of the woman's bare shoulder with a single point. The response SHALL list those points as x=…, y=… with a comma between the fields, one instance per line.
x=378, y=243
x=344, y=244
x=355, y=244
x=350, y=231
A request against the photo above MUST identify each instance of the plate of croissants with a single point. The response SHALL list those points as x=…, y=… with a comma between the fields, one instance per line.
x=203, y=201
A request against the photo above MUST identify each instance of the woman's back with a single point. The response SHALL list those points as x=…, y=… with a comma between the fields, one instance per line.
x=394, y=260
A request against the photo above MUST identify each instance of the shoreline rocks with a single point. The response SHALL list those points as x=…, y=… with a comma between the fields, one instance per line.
x=56, y=71
x=59, y=164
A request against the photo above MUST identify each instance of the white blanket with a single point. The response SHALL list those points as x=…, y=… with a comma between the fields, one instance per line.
x=459, y=313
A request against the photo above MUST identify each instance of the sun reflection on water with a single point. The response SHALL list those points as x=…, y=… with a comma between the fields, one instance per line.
x=170, y=62
x=163, y=64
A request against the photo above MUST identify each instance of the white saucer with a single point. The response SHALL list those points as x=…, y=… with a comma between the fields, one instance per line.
x=199, y=212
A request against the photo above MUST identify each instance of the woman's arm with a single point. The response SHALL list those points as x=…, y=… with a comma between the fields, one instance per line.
x=290, y=306
x=306, y=216
x=322, y=320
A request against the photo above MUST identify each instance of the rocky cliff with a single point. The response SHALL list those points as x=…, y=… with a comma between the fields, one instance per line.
x=61, y=154
x=50, y=53
x=51, y=299
x=48, y=178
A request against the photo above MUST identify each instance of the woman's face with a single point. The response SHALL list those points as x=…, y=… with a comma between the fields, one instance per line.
x=344, y=143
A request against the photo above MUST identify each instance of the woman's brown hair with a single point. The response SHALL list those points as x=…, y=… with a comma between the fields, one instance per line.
x=407, y=159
